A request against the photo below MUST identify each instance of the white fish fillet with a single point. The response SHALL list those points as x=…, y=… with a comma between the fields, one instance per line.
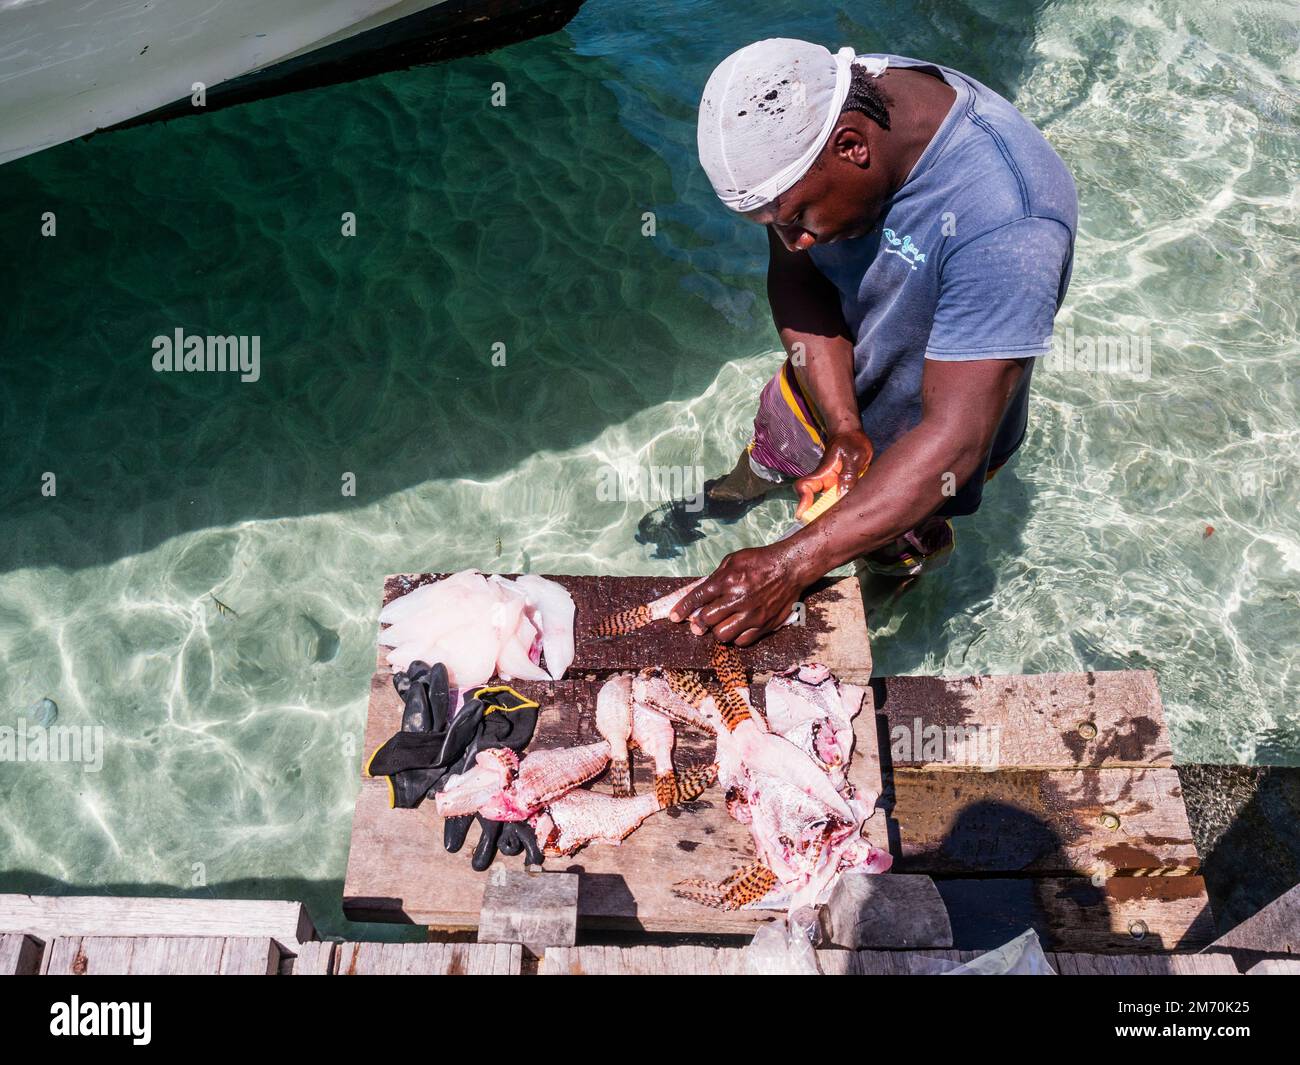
x=479, y=627
x=428, y=595
x=555, y=605
x=516, y=633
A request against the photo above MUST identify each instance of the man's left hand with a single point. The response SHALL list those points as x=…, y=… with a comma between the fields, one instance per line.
x=749, y=595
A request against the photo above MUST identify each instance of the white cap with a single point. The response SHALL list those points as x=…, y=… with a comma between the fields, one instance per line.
x=767, y=112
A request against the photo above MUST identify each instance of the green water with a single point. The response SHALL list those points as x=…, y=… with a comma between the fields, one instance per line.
x=232, y=741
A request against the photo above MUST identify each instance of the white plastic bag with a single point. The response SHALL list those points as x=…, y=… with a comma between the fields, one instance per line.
x=1023, y=956
x=784, y=947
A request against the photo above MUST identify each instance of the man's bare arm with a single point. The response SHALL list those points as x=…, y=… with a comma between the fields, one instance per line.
x=962, y=404
x=753, y=591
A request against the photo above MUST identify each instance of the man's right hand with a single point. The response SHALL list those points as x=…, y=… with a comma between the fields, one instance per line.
x=846, y=458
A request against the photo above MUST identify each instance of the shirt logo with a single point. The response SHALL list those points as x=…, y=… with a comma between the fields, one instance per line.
x=904, y=249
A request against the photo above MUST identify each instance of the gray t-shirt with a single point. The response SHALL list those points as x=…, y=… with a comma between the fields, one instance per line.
x=970, y=260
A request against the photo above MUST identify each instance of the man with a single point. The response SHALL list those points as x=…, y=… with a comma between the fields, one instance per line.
x=921, y=236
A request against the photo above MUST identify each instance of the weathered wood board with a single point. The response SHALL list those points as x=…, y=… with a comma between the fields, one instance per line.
x=161, y=956
x=428, y=959
x=1041, y=721
x=1274, y=929
x=1125, y=914
x=1142, y=965
x=642, y=961
x=929, y=962
x=1269, y=966
x=47, y=916
x=1073, y=821
x=314, y=959
x=729, y=961
x=399, y=871
x=529, y=906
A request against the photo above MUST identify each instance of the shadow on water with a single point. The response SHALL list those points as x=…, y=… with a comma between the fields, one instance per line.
x=475, y=226
x=1246, y=823
x=480, y=231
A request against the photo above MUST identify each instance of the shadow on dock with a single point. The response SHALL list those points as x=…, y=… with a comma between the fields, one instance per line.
x=1246, y=824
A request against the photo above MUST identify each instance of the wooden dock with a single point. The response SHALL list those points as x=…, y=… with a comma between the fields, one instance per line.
x=1047, y=802
x=153, y=942
x=399, y=871
x=1033, y=801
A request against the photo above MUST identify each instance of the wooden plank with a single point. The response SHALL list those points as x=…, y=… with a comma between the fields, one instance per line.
x=891, y=962
x=427, y=959
x=48, y=916
x=720, y=961
x=1044, y=721
x=561, y=961
x=1124, y=914
x=314, y=959
x=641, y=961
x=834, y=631
x=248, y=956
x=88, y=956
x=1142, y=965
x=162, y=956
x=398, y=870
x=1044, y=822
x=537, y=909
x=1275, y=967
x=20, y=955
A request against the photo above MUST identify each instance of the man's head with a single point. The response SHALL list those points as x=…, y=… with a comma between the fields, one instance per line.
x=788, y=135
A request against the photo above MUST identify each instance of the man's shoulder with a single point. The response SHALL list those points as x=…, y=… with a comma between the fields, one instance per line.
x=1003, y=167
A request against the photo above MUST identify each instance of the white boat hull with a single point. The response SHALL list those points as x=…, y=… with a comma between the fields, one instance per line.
x=71, y=67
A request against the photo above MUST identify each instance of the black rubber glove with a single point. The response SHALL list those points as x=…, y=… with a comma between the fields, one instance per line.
x=432, y=746
x=508, y=837
x=411, y=758
x=492, y=718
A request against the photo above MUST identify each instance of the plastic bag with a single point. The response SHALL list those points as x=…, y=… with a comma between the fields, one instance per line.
x=784, y=947
x=1023, y=956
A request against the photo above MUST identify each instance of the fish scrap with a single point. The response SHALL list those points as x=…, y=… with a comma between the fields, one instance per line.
x=544, y=789
x=786, y=778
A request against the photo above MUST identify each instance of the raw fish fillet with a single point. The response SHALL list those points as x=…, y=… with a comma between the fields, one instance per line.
x=479, y=627
x=519, y=646
x=582, y=817
x=555, y=605
x=811, y=709
x=502, y=788
x=614, y=723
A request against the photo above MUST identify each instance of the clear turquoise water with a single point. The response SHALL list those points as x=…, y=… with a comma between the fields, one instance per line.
x=232, y=742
